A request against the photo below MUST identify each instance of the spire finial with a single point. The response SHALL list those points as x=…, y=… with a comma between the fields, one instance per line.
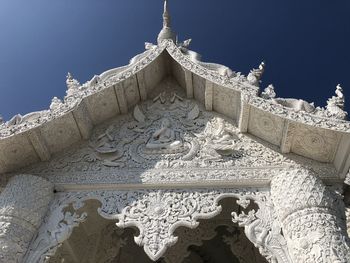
x=166, y=32
x=166, y=15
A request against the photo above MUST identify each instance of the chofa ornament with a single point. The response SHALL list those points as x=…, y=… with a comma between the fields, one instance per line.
x=255, y=75
x=334, y=109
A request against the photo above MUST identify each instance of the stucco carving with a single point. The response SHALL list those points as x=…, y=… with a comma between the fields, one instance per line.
x=319, y=144
x=296, y=105
x=166, y=32
x=75, y=94
x=23, y=204
x=269, y=92
x=163, y=138
x=264, y=231
x=226, y=79
x=267, y=127
x=55, y=103
x=55, y=229
x=156, y=213
x=347, y=214
x=314, y=236
x=335, y=105
x=72, y=85
x=301, y=116
x=221, y=70
x=171, y=139
x=309, y=213
x=216, y=73
x=333, y=110
x=255, y=75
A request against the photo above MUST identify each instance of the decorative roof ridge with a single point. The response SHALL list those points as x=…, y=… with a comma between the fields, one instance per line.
x=77, y=92
x=310, y=119
x=226, y=78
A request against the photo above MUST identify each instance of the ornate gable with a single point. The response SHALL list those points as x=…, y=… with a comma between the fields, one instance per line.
x=169, y=139
x=38, y=136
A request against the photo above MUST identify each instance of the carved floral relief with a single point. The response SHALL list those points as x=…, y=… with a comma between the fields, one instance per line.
x=163, y=138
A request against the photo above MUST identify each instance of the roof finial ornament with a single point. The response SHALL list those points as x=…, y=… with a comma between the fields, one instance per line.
x=255, y=75
x=166, y=15
x=336, y=104
x=166, y=32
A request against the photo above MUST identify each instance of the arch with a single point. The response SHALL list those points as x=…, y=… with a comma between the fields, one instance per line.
x=157, y=214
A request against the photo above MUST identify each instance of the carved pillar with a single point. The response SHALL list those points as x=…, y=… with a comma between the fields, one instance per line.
x=23, y=204
x=347, y=214
x=311, y=221
x=347, y=206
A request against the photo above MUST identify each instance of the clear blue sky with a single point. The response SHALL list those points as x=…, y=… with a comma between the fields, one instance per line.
x=306, y=44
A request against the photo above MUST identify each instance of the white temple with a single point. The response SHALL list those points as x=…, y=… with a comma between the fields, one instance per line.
x=170, y=159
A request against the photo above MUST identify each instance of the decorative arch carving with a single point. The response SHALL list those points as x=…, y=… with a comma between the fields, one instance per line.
x=157, y=213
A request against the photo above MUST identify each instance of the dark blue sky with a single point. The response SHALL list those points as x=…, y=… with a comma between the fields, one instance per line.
x=306, y=44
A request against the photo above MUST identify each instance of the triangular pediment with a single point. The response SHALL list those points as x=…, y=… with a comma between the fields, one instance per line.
x=41, y=135
x=171, y=140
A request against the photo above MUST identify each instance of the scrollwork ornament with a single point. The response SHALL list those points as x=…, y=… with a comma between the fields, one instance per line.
x=23, y=204
x=156, y=213
x=320, y=121
x=178, y=141
x=56, y=228
x=264, y=231
x=314, y=235
x=312, y=224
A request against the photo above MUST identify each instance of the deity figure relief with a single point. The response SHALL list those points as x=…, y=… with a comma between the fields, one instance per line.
x=219, y=141
x=163, y=138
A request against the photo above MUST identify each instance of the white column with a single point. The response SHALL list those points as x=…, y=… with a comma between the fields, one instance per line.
x=23, y=204
x=311, y=221
x=347, y=206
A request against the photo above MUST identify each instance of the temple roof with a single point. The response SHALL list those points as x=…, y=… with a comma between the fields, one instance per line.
x=291, y=124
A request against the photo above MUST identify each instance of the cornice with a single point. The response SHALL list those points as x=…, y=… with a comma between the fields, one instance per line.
x=301, y=117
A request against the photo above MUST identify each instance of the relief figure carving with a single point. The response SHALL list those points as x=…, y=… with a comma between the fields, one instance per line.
x=163, y=138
